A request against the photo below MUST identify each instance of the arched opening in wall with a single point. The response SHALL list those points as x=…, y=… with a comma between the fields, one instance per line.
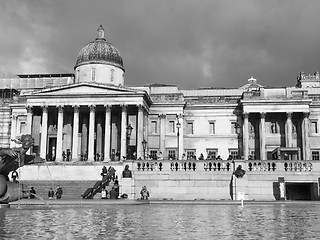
x=301, y=191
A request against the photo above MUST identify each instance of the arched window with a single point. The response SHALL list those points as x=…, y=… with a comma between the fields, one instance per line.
x=93, y=75
x=112, y=75
x=78, y=75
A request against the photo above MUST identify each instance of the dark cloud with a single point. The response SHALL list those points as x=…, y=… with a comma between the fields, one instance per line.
x=188, y=43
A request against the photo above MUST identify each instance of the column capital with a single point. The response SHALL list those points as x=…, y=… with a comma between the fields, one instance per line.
x=306, y=114
x=108, y=107
x=60, y=108
x=289, y=114
x=76, y=108
x=92, y=107
x=162, y=116
x=124, y=108
x=45, y=108
x=14, y=117
x=140, y=108
x=245, y=115
x=263, y=115
x=29, y=109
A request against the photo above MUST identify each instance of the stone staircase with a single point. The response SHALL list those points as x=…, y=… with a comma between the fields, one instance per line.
x=71, y=189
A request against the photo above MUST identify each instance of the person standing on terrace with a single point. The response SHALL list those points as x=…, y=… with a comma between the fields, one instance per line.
x=160, y=156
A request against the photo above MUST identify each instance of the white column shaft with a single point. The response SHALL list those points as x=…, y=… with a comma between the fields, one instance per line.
x=246, y=136
x=91, y=134
x=59, y=134
x=107, y=134
x=123, y=150
x=13, y=130
x=44, y=132
x=262, y=135
x=75, y=133
x=140, y=133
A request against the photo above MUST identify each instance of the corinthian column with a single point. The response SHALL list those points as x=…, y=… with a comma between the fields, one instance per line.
x=75, y=133
x=13, y=130
x=123, y=150
x=91, y=133
x=305, y=136
x=44, y=132
x=59, y=134
x=107, y=134
x=262, y=134
x=246, y=136
x=289, y=130
x=29, y=120
x=140, y=132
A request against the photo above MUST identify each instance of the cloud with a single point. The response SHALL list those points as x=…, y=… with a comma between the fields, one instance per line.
x=189, y=43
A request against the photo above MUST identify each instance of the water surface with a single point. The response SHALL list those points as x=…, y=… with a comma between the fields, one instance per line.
x=270, y=221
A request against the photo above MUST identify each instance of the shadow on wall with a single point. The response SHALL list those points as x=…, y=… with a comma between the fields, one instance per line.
x=276, y=190
x=231, y=187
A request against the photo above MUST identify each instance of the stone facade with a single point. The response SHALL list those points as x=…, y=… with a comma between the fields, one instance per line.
x=92, y=116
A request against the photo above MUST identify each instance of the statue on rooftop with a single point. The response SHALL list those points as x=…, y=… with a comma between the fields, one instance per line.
x=10, y=160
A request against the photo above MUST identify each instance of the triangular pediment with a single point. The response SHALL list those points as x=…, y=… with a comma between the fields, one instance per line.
x=85, y=89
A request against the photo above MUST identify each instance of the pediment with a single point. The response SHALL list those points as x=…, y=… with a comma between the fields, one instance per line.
x=85, y=89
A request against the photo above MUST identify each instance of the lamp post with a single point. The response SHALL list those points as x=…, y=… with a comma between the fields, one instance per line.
x=144, y=145
x=129, y=131
x=178, y=125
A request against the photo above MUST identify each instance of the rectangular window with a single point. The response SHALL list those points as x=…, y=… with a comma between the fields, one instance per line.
x=153, y=154
x=171, y=127
x=212, y=154
x=191, y=154
x=190, y=128
x=171, y=154
x=233, y=154
x=154, y=127
x=315, y=155
x=233, y=127
x=212, y=128
x=314, y=127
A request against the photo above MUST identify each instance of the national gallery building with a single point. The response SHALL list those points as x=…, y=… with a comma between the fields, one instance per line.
x=92, y=115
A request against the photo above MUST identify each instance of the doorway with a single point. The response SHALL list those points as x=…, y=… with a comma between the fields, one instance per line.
x=51, y=155
x=301, y=191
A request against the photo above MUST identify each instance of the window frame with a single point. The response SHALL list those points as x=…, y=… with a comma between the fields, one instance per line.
x=214, y=150
x=212, y=130
x=154, y=130
x=187, y=127
x=189, y=155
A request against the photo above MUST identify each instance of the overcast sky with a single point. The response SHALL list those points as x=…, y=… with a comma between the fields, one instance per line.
x=190, y=43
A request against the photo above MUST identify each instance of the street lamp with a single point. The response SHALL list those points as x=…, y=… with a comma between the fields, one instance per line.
x=178, y=125
x=129, y=131
x=144, y=145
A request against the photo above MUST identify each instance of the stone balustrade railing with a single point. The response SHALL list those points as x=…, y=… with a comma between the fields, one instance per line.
x=226, y=165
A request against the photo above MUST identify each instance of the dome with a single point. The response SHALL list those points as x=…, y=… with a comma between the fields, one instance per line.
x=99, y=51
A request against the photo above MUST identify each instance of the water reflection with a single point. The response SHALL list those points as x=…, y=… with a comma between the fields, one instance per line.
x=294, y=221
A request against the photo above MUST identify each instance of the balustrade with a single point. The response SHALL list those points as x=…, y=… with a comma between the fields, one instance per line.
x=226, y=166
x=184, y=166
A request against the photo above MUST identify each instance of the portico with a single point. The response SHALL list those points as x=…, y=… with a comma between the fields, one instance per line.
x=87, y=126
x=270, y=125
